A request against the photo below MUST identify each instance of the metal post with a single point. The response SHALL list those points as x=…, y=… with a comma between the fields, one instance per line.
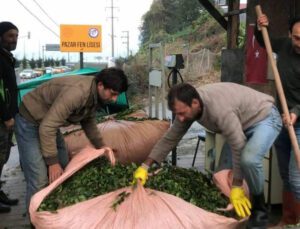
x=43, y=53
x=81, y=59
x=150, y=91
x=174, y=82
x=163, y=86
x=112, y=29
x=127, y=41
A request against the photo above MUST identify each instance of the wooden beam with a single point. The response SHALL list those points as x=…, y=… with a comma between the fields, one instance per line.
x=295, y=8
x=214, y=12
x=235, y=12
x=233, y=24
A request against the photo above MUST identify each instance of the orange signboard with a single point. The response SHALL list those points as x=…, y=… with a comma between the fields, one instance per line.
x=80, y=38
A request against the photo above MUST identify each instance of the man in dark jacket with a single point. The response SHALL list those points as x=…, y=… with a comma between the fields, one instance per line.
x=56, y=103
x=8, y=100
x=288, y=63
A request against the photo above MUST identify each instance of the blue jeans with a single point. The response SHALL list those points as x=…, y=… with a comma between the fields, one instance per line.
x=288, y=169
x=260, y=138
x=32, y=161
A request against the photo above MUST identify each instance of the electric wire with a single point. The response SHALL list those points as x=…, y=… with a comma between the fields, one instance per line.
x=174, y=71
x=38, y=19
x=45, y=12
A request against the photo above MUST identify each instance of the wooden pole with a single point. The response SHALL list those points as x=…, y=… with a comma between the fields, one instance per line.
x=279, y=89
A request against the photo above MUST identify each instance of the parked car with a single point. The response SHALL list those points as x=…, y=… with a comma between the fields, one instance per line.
x=49, y=70
x=61, y=69
x=39, y=71
x=28, y=74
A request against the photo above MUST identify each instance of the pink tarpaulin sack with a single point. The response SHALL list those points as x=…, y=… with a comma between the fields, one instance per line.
x=142, y=208
x=223, y=180
x=131, y=140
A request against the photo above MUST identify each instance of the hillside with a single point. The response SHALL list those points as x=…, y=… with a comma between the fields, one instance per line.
x=200, y=42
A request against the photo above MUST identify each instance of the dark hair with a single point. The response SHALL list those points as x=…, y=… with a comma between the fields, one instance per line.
x=183, y=92
x=292, y=22
x=5, y=26
x=113, y=78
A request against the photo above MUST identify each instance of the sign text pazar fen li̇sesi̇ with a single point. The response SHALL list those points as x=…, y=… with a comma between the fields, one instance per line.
x=81, y=44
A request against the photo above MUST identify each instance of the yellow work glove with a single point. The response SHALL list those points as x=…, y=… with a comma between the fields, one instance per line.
x=141, y=173
x=240, y=202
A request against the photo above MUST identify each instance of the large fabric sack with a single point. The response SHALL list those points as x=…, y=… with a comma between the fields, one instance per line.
x=223, y=180
x=131, y=140
x=143, y=208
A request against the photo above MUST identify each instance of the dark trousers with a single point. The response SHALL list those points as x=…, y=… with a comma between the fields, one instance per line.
x=5, y=145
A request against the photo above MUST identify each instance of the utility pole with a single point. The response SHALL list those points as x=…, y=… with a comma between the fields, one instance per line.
x=43, y=52
x=112, y=28
x=126, y=36
x=39, y=50
x=24, y=37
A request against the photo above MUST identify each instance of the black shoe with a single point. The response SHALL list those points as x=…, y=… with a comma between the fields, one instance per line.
x=4, y=208
x=5, y=200
x=259, y=213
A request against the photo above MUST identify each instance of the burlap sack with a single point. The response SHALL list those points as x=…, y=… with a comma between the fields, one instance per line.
x=132, y=141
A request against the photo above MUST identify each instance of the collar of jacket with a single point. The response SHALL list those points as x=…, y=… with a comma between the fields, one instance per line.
x=202, y=108
x=96, y=99
x=8, y=54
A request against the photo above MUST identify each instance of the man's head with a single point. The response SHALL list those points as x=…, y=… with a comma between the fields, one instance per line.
x=295, y=33
x=110, y=83
x=8, y=35
x=184, y=101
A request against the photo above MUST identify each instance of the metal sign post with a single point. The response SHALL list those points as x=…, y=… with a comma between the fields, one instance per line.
x=156, y=82
x=174, y=62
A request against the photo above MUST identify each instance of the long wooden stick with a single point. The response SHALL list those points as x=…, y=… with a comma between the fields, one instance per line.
x=279, y=88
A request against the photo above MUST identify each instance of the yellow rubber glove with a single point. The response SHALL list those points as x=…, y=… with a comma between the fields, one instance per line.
x=141, y=174
x=240, y=202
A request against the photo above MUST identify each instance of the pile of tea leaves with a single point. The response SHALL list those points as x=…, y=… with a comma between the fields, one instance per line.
x=101, y=116
x=99, y=177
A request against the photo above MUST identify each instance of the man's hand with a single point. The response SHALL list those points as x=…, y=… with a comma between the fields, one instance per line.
x=55, y=172
x=141, y=174
x=293, y=119
x=9, y=124
x=240, y=202
x=262, y=21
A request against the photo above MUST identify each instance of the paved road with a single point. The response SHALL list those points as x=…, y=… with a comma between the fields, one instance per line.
x=15, y=186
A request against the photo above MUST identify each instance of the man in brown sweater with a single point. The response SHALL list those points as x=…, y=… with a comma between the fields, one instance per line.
x=246, y=118
x=56, y=103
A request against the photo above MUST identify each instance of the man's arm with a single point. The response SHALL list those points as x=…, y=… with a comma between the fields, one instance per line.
x=169, y=140
x=296, y=110
x=263, y=21
x=293, y=116
x=161, y=149
x=89, y=126
x=233, y=133
x=57, y=115
x=5, y=114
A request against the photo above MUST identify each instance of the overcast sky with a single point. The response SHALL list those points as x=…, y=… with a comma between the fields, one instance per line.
x=128, y=14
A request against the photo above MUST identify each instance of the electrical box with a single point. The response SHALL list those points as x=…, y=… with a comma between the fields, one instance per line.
x=174, y=61
x=155, y=78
